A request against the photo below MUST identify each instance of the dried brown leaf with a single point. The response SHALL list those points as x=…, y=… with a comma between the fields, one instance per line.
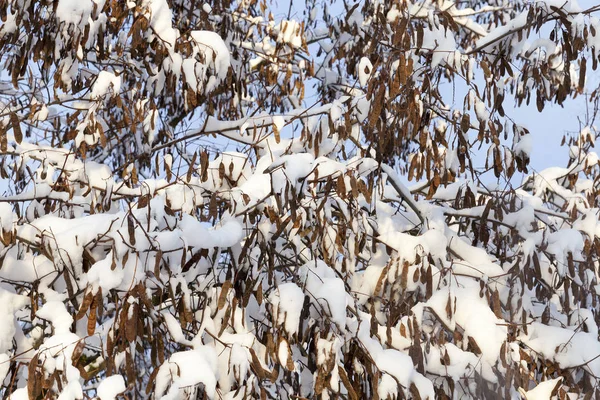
x=223, y=295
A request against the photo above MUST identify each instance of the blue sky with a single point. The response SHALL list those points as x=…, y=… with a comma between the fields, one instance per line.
x=549, y=126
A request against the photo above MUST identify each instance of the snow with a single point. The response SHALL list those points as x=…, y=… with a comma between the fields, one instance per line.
x=482, y=114
x=110, y=387
x=288, y=302
x=6, y=217
x=365, y=69
x=473, y=316
x=10, y=25
x=289, y=31
x=564, y=346
x=524, y=146
x=11, y=303
x=563, y=242
x=160, y=20
x=4, y=365
x=56, y=353
x=42, y=114
x=441, y=43
x=492, y=38
x=283, y=353
x=101, y=275
x=543, y=390
x=325, y=290
x=331, y=294
x=214, y=50
x=239, y=361
x=186, y=369
x=55, y=312
x=175, y=329
x=461, y=365
x=395, y=363
x=104, y=82
x=74, y=11
x=279, y=122
x=226, y=235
